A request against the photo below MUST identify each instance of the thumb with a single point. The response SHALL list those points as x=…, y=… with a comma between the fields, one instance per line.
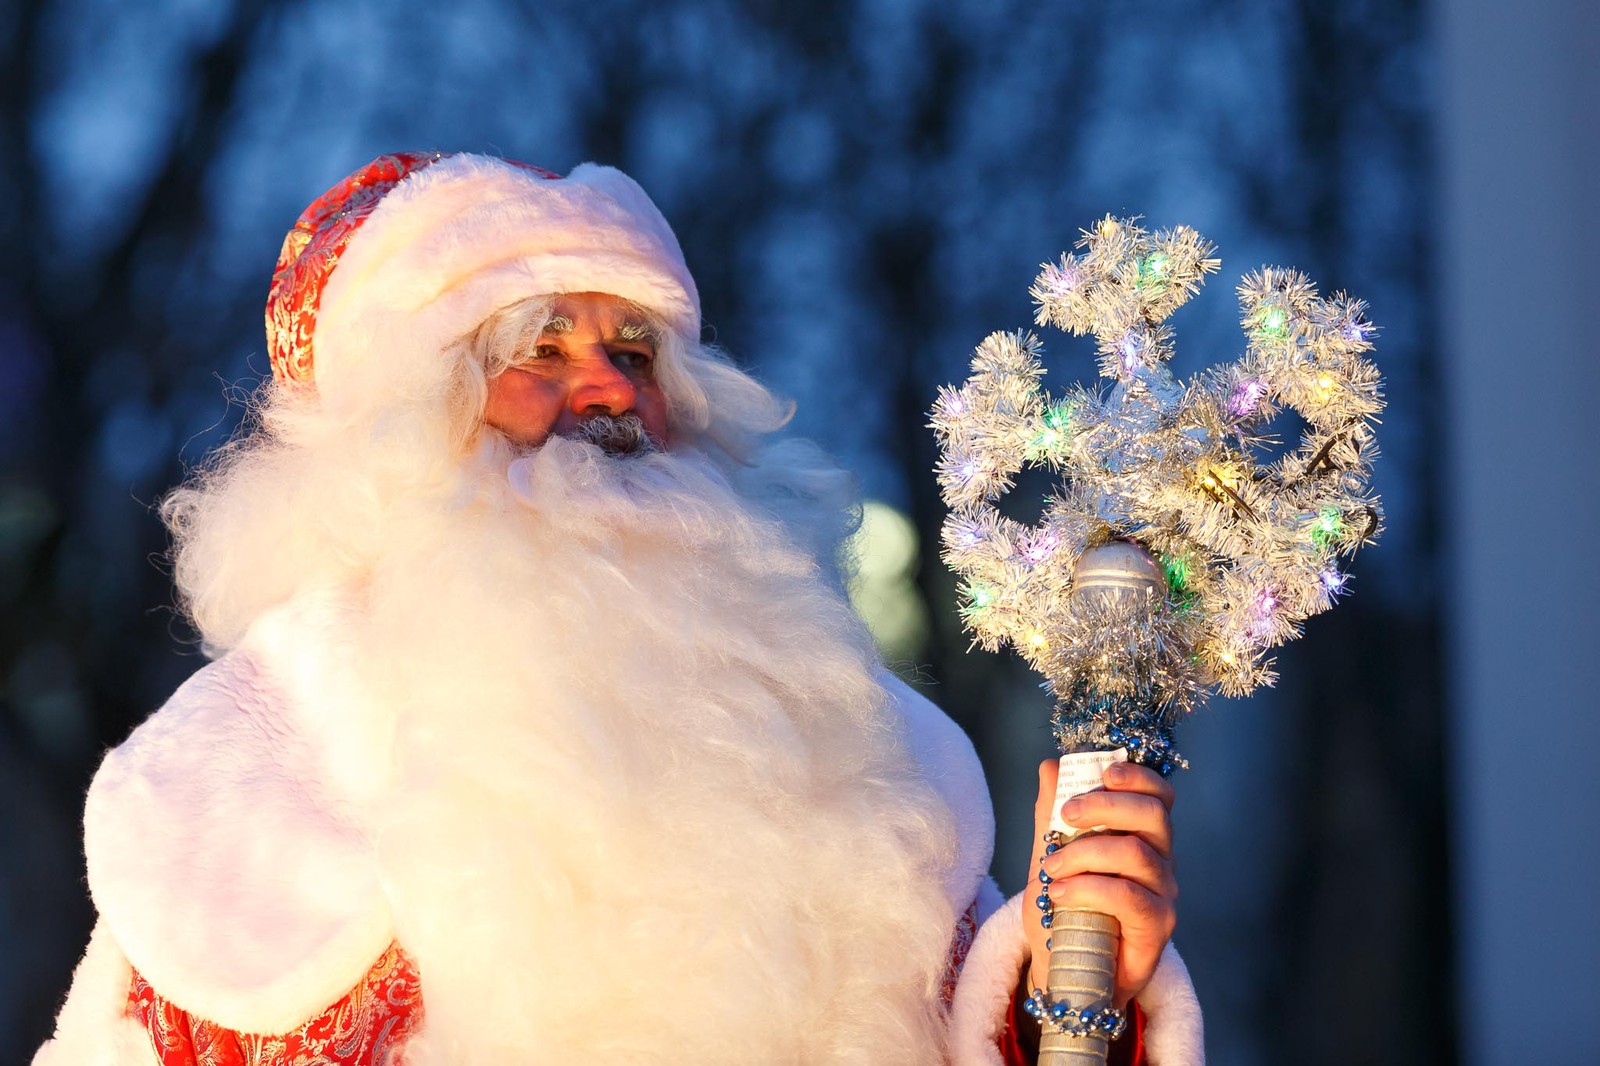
x=1037, y=935
x=1049, y=770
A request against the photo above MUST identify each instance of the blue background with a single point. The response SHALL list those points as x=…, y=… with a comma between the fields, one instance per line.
x=863, y=190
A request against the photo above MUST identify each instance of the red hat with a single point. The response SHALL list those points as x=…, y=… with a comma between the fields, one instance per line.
x=428, y=245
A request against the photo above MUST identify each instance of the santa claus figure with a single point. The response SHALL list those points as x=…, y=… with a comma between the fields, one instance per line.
x=537, y=728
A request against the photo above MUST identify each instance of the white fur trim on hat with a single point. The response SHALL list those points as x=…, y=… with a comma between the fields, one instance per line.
x=464, y=237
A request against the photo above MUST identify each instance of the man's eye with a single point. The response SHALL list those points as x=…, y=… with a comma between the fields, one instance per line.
x=546, y=351
x=637, y=359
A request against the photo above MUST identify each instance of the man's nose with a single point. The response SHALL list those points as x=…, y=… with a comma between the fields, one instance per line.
x=600, y=387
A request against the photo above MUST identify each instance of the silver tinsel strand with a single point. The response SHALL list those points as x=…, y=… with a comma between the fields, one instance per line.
x=1250, y=548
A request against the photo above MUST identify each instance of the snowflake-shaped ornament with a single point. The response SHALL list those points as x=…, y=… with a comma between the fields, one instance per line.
x=1174, y=554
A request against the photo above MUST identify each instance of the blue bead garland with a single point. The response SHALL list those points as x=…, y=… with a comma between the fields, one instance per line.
x=1089, y=718
x=1106, y=1022
x=1052, y=844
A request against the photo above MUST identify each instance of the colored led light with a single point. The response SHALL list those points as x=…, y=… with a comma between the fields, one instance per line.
x=1246, y=397
x=1326, y=525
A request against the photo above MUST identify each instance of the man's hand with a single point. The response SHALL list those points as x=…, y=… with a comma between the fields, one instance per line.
x=1124, y=869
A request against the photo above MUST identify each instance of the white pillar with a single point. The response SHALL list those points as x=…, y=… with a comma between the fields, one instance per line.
x=1519, y=248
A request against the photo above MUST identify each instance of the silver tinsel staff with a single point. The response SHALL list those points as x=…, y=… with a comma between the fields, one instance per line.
x=1172, y=557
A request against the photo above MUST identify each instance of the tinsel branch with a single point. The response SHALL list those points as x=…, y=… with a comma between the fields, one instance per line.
x=1249, y=548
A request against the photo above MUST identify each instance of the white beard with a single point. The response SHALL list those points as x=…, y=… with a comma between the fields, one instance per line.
x=651, y=805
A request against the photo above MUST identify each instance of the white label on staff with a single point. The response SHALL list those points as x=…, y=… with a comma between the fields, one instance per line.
x=1081, y=772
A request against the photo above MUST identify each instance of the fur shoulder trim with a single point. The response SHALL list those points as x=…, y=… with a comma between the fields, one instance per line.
x=225, y=839
x=93, y=1028
x=1174, y=1034
x=950, y=764
x=1180, y=1038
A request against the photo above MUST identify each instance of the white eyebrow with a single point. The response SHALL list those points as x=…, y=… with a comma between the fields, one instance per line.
x=626, y=331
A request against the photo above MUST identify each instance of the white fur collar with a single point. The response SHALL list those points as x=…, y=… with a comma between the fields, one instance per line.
x=225, y=839
x=228, y=842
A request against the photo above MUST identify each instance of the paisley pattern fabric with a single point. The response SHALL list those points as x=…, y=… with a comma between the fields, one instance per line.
x=362, y=1029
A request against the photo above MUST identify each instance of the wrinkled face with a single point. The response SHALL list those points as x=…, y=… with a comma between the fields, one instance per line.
x=594, y=358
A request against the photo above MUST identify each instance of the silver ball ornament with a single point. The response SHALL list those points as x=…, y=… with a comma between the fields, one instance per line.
x=1119, y=572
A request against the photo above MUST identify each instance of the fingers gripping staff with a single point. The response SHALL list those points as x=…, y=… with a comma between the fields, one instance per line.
x=1173, y=555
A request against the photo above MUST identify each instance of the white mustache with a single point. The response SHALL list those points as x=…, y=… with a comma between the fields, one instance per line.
x=616, y=434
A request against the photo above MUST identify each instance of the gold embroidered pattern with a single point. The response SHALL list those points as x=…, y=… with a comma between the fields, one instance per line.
x=362, y=1029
